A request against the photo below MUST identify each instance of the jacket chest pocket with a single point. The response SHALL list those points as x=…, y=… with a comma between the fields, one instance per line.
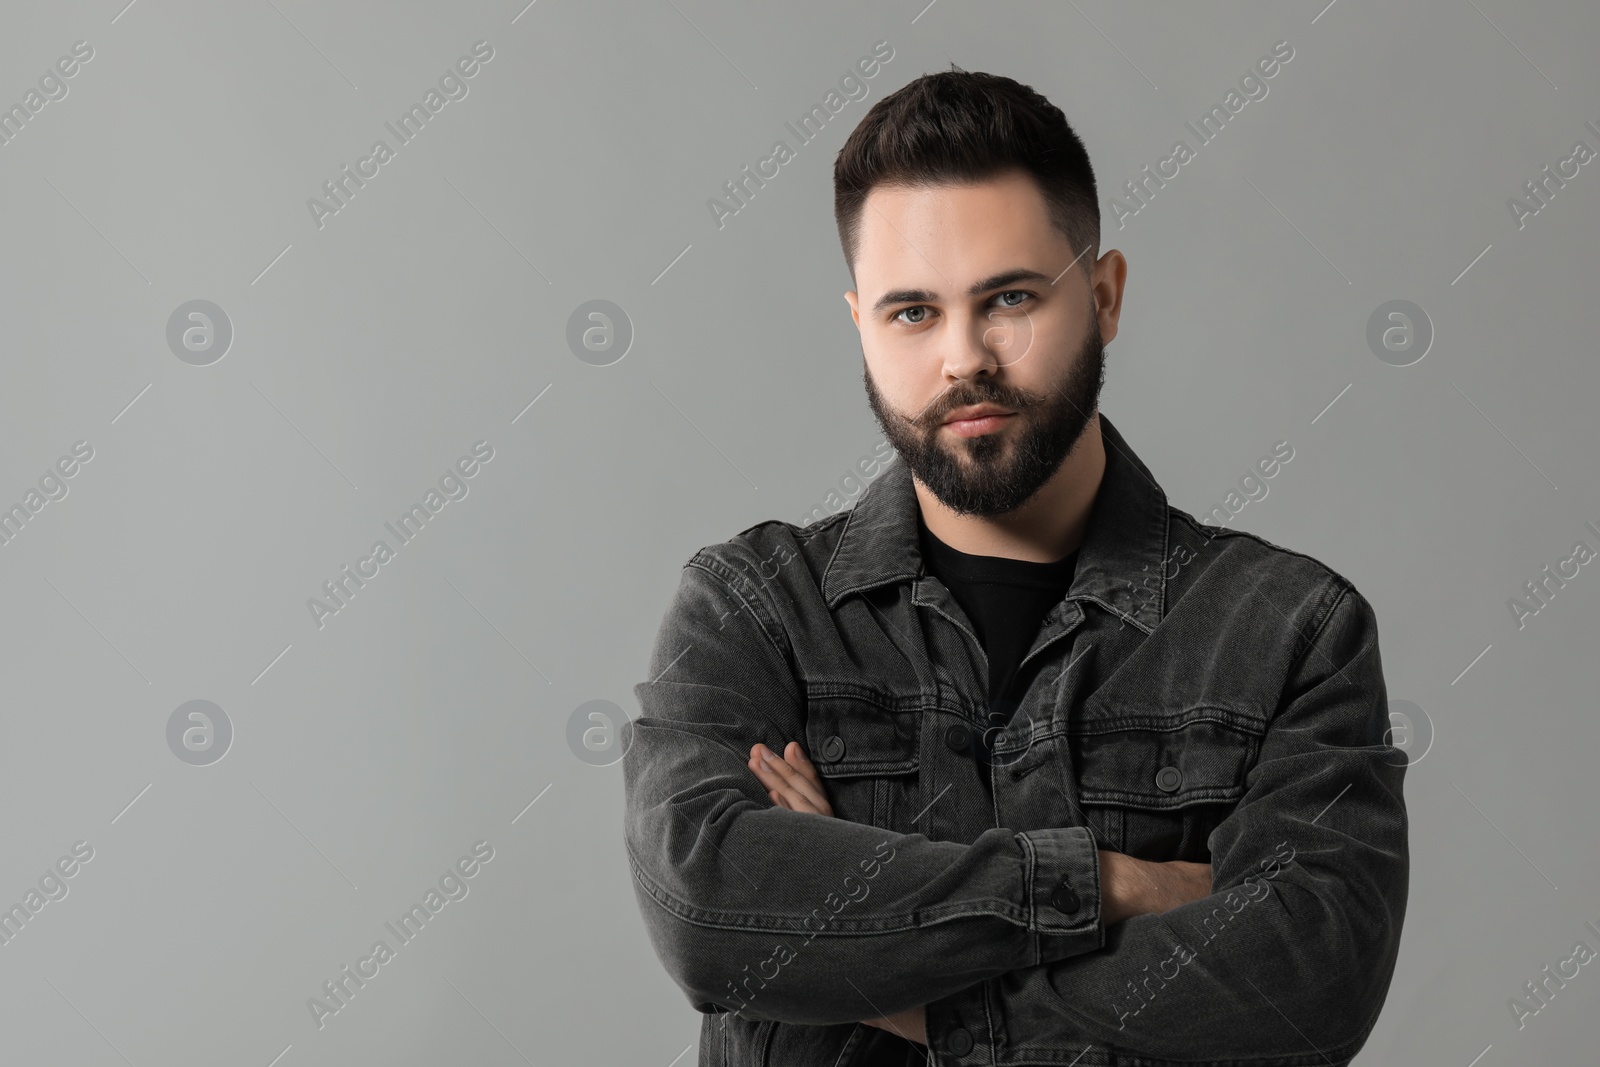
x=1162, y=780
x=866, y=753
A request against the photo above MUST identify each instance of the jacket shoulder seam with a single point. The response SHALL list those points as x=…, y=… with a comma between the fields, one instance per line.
x=1200, y=528
x=803, y=533
x=1334, y=594
x=736, y=585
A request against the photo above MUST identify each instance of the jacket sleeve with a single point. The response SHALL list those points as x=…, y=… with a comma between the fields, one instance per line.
x=792, y=916
x=1292, y=953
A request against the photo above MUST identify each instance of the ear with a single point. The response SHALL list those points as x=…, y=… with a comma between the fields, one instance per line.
x=855, y=312
x=1109, y=276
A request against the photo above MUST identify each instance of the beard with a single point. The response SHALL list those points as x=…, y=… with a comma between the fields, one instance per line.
x=991, y=474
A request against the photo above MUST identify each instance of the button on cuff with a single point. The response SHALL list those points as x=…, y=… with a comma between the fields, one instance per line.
x=956, y=1028
x=958, y=1041
x=1065, y=899
x=1063, y=872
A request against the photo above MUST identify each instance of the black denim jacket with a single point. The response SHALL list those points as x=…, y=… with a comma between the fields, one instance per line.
x=1199, y=694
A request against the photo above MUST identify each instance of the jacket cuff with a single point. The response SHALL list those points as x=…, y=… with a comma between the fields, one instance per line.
x=1063, y=877
x=958, y=1028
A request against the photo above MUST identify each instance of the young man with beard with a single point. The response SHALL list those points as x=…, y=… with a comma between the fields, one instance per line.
x=1077, y=803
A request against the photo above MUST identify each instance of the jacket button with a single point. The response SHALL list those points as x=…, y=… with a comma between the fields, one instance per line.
x=1065, y=898
x=832, y=747
x=1168, y=779
x=959, y=1041
x=957, y=738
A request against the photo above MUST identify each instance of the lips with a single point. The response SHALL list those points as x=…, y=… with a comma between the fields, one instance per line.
x=976, y=411
x=978, y=425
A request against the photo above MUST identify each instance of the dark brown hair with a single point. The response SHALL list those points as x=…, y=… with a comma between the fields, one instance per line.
x=958, y=127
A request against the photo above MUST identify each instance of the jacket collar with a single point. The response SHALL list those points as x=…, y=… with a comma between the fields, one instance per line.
x=1123, y=549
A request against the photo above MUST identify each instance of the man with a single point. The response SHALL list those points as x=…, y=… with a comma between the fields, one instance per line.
x=1013, y=762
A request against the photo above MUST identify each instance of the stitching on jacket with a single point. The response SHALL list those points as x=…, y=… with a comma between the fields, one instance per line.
x=1027, y=896
x=735, y=584
x=767, y=923
x=1200, y=529
x=849, y=1045
x=1326, y=609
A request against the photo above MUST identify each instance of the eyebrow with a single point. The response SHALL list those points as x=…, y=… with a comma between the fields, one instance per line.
x=927, y=296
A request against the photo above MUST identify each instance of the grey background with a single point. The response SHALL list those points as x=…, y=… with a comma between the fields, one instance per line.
x=368, y=355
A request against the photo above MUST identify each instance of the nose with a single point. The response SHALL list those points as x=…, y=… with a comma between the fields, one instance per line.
x=972, y=345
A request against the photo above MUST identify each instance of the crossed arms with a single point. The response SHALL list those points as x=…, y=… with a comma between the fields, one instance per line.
x=1128, y=886
x=729, y=880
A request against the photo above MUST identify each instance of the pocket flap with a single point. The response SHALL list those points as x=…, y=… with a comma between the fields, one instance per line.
x=855, y=735
x=1166, y=763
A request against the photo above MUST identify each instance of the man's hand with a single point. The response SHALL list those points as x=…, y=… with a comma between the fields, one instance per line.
x=1130, y=887
x=911, y=1024
x=791, y=780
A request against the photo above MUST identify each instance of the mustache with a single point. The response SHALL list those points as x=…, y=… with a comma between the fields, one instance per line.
x=934, y=411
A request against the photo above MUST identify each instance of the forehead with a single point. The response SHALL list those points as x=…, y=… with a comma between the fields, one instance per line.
x=941, y=237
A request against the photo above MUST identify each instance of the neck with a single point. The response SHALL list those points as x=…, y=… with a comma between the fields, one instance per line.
x=1045, y=529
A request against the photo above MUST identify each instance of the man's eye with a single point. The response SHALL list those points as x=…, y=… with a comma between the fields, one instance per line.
x=1019, y=293
x=921, y=314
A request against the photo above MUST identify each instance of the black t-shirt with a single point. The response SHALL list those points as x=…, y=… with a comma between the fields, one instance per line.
x=1006, y=600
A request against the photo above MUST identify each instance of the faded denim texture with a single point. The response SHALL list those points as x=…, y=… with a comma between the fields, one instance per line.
x=1199, y=694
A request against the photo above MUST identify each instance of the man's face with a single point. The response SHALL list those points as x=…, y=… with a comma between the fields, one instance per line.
x=964, y=297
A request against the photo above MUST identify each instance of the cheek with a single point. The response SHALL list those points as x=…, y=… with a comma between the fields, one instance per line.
x=1045, y=355
x=900, y=375
x=1014, y=338
x=1050, y=342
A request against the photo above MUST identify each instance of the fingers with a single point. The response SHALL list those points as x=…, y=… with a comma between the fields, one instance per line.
x=794, y=785
x=795, y=754
x=785, y=794
x=776, y=785
x=798, y=792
